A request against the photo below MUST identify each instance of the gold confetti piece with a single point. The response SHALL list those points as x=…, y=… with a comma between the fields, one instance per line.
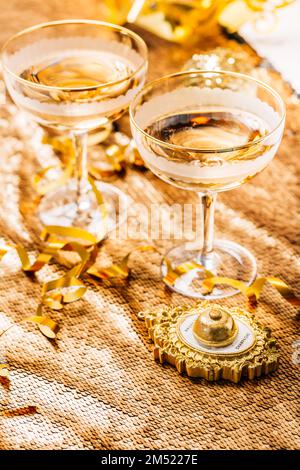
x=253, y=291
x=174, y=273
x=4, y=371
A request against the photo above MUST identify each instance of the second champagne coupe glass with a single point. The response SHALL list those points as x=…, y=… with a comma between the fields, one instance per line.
x=208, y=132
x=75, y=76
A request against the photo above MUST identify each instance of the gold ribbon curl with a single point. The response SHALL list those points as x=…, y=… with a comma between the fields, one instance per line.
x=120, y=270
x=253, y=291
x=174, y=273
x=47, y=326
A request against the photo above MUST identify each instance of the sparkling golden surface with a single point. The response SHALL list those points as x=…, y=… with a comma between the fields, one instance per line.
x=97, y=386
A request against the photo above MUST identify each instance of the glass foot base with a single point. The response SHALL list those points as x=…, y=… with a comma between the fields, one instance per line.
x=60, y=208
x=229, y=260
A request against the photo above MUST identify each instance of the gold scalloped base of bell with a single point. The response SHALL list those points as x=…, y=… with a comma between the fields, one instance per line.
x=253, y=353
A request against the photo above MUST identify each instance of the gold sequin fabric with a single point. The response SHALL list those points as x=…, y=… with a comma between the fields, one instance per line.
x=97, y=386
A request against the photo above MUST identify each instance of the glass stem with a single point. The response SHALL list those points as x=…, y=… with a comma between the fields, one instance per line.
x=82, y=181
x=207, y=258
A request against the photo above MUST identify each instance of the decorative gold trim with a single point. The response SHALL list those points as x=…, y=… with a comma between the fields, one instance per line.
x=262, y=358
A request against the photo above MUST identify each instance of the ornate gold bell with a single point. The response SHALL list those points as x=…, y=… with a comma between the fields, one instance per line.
x=215, y=327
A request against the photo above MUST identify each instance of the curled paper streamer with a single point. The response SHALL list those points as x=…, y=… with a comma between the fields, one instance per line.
x=253, y=291
x=120, y=270
x=67, y=232
x=174, y=273
x=42, y=259
x=49, y=252
x=60, y=144
x=115, y=163
x=53, y=294
x=47, y=326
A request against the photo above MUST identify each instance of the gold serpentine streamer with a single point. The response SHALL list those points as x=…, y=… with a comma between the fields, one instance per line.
x=118, y=270
x=174, y=273
x=253, y=291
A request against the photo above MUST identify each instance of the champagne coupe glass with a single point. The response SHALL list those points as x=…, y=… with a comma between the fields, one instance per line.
x=208, y=132
x=76, y=76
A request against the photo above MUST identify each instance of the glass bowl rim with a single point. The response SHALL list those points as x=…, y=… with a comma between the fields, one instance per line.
x=108, y=25
x=162, y=143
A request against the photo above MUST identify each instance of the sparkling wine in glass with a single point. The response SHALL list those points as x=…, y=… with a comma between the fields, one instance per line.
x=208, y=132
x=75, y=76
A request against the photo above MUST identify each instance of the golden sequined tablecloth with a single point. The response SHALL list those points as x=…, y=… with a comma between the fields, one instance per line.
x=97, y=386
